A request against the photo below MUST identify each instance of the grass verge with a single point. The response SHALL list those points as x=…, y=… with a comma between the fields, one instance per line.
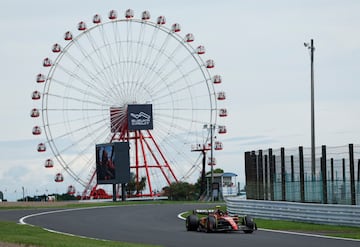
x=26, y=235
x=326, y=230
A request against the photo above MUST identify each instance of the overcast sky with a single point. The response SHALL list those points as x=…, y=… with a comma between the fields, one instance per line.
x=258, y=49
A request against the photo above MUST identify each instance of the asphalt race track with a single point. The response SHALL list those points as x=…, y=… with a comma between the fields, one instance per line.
x=156, y=224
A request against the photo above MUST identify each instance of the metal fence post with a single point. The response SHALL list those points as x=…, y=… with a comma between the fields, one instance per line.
x=266, y=183
x=260, y=175
x=272, y=174
x=283, y=175
x=352, y=174
x=302, y=177
x=249, y=175
x=324, y=175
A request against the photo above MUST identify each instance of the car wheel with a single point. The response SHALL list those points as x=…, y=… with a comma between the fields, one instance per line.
x=210, y=224
x=192, y=222
x=249, y=223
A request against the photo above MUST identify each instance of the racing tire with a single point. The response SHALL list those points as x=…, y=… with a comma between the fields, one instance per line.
x=192, y=222
x=249, y=223
x=210, y=224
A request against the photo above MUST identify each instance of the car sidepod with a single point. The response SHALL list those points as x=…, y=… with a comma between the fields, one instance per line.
x=227, y=223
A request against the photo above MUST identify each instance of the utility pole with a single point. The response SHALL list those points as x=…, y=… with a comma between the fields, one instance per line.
x=23, y=192
x=313, y=155
x=212, y=161
x=203, y=148
x=211, y=127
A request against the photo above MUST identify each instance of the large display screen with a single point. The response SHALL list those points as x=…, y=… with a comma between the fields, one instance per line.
x=112, y=163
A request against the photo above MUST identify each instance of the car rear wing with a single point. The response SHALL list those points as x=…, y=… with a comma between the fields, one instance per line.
x=203, y=211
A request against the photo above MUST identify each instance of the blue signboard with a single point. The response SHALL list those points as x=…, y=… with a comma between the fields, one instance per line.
x=140, y=117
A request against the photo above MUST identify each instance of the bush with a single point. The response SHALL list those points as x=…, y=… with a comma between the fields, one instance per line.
x=181, y=191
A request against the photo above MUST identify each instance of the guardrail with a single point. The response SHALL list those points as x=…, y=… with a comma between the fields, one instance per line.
x=332, y=214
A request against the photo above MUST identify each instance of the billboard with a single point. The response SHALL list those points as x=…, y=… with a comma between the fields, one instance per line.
x=140, y=117
x=112, y=163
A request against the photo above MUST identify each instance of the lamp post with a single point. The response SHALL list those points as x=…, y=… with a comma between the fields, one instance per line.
x=312, y=49
x=212, y=160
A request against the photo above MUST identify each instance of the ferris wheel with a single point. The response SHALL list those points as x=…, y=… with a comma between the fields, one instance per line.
x=98, y=70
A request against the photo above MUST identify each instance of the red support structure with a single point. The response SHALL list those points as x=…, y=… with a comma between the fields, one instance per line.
x=136, y=158
x=146, y=147
x=149, y=148
x=164, y=159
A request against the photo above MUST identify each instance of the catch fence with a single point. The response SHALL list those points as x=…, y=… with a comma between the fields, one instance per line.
x=287, y=175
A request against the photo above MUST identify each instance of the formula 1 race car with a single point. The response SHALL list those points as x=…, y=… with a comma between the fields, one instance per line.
x=216, y=220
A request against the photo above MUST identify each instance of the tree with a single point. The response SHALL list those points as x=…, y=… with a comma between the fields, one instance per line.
x=217, y=170
x=178, y=191
x=181, y=191
x=134, y=187
x=65, y=197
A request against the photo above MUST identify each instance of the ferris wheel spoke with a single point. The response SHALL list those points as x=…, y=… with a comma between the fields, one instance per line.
x=87, y=56
x=129, y=50
x=122, y=55
x=104, y=63
x=154, y=61
x=97, y=99
x=101, y=78
x=80, y=166
x=176, y=118
x=173, y=148
x=168, y=60
x=141, y=62
x=107, y=46
x=138, y=55
x=69, y=134
x=113, y=67
x=75, y=175
x=96, y=90
x=174, y=75
x=148, y=55
x=188, y=88
x=177, y=125
x=66, y=167
x=170, y=57
x=80, y=66
x=76, y=116
x=84, y=170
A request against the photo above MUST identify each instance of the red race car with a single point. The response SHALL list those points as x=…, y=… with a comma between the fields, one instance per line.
x=218, y=220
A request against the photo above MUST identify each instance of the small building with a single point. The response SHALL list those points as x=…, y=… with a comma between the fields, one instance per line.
x=224, y=184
